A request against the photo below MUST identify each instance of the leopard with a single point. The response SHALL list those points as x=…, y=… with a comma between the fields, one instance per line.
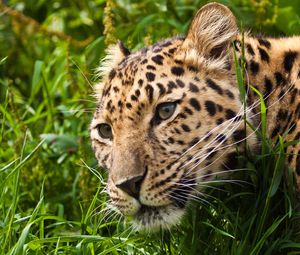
x=170, y=116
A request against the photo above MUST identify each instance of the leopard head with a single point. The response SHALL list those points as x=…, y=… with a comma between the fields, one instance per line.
x=167, y=119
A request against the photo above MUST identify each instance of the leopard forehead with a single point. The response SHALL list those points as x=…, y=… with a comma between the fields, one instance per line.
x=137, y=71
x=153, y=74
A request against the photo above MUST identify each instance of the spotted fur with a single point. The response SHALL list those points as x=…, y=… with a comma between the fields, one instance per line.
x=154, y=163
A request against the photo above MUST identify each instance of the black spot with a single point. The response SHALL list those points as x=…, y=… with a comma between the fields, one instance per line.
x=179, y=62
x=194, y=141
x=229, y=94
x=211, y=153
x=290, y=157
x=150, y=67
x=298, y=110
x=229, y=114
x=134, y=98
x=185, y=128
x=297, y=137
x=162, y=89
x=177, y=131
x=279, y=78
x=137, y=93
x=171, y=85
x=128, y=105
x=293, y=96
x=188, y=111
x=264, y=42
x=171, y=140
x=144, y=61
x=231, y=161
x=298, y=164
x=180, y=142
x=140, y=82
x=207, y=136
x=210, y=83
x=177, y=70
x=292, y=127
x=158, y=59
x=282, y=115
x=220, y=138
x=268, y=86
x=166, y=43
x=275, y=131
x=116, y=89
x=193, y=69
x=239, y=135
x=254, y=67
x=112, y=74
x=250, y=49
x=182, y=115
x=281, y=94
x=150, y=76
x=172, y=50
x=149, y=91
x=180, y=83
x=289, y=59
x=237, y=45
x=120, y=104
x=264, y=55
x=220, y=121
x=193, y=88
x=195, y=104
x=210, y=107
x=156, y=50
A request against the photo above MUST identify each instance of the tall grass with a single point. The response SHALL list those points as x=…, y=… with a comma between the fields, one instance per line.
x=51, y=190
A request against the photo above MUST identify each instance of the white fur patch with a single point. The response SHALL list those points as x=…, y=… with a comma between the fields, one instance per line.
x=167, y=217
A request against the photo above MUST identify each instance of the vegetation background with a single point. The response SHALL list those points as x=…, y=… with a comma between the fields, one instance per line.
x=51, y=190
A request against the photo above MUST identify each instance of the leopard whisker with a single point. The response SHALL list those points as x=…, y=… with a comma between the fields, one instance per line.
x=83, y=75
x=238, y=182
x=203, y=157
x=182, y=198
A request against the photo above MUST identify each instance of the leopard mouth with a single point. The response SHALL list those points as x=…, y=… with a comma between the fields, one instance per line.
x=154, y=218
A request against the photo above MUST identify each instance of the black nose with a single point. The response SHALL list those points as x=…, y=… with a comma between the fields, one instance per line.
x=132, y=186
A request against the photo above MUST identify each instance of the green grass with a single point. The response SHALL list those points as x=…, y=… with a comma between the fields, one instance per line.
x=51, y=190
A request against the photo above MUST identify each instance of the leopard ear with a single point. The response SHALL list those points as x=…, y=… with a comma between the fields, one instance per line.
x=114, y=55
x=211, y=32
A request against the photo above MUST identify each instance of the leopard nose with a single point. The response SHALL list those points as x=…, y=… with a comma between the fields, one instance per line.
x=132, y=185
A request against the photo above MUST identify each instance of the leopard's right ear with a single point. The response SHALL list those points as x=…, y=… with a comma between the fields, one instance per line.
x=210, y=34
x=114, y=55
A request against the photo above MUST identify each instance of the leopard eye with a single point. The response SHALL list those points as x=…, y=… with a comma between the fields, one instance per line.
x=165, y=110
x=104, y=131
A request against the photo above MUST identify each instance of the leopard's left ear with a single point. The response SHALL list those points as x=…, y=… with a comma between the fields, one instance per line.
x=211, y=32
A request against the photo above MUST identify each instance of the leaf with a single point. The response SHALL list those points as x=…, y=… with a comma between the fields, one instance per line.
x=220, y=231
x=63, y=143
x=37, y=77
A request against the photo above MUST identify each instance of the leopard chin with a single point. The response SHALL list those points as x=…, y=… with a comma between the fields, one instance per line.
x=154, y=218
